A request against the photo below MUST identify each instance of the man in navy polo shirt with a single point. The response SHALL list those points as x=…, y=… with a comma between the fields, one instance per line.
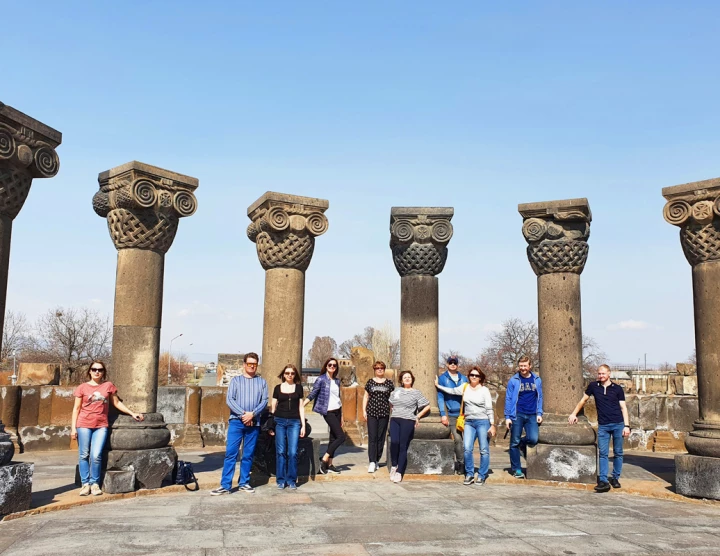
x=613, y=421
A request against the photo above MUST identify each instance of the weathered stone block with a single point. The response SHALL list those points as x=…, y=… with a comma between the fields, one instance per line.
x=44, y=438
x=667, y=441
x=697, y=476
x=429, y=457
x=150, y=466
x=117, y=482
x=45, y=406
x=363, y=360
x=567, y=464
x=61, y=405
x=38, y=374
x=187, y=436
x=15, y=487
x=29, y=406
x=10, y=406
x=656, y=385
x=633, y=407
x=171, y=403
x=348, y=395
x=682, y=413
x=265, y=461
x=213, y=408
x=690, y=386
x=214, y=434
x=686, y=369
x=647, y=412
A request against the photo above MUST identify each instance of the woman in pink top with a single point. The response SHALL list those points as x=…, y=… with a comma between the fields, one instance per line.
x=90, y=423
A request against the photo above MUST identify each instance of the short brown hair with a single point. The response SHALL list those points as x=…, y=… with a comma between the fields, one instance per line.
x=379, y=364
x=403, y=373
x=97, y=362
x=479, y=370
x=252, y=355
x=524, y=359
x=296, y=378
x=606, y=366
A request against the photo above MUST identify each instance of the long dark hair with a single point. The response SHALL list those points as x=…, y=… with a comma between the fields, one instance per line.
x=337, y=367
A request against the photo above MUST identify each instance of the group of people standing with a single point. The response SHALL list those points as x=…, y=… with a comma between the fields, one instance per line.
x=465, y=404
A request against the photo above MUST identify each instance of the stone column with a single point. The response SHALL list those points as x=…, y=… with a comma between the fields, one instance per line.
x=27, y=151
x=284, y=228
x=557, y=234
x=418, y=239
x=695, y=208
x=143, y=205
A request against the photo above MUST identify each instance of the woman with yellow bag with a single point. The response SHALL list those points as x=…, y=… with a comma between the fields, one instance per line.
x=477, y=420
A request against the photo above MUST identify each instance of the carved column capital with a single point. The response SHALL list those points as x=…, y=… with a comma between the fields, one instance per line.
x=695, y=208
x=27, y=151
x=143, y=204
x=418, y=239
x=557, y=234
x=284, y=228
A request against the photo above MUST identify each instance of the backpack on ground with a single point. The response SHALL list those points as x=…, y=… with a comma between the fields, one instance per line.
x=184, y=475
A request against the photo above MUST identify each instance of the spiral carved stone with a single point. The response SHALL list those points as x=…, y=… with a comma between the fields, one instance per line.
x=7, y=144
x=419, y=238
x=284, y=227
x=561, y=256
x=184, y=203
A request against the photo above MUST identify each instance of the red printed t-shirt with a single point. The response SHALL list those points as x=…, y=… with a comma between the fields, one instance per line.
x=95, y=404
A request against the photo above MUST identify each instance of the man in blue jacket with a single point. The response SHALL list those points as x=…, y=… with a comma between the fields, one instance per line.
x=449, y=405
x=523, y=410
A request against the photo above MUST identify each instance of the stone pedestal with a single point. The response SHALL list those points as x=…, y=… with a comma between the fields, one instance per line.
x=284, y=228
x=142, y=205
x=697, y=476
x=428, y=457
x=27, y=151
x=557, y=233
x=15, y=487
x=419, y=237
x=265, y=461
x=695, y=208
x=564, y=463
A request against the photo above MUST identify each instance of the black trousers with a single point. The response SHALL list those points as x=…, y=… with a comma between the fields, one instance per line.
x=337, y=434
x=376, y=427
x=401, y=433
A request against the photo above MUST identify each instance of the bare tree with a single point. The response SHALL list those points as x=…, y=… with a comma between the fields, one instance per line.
x=386, y=346
x=516, y=339
x=693, y=357
x=323, y=348
x=362, y=340
x=73, y=337
x=179, y=369
x=464, y=363
x=16, y=334
x=593, y=356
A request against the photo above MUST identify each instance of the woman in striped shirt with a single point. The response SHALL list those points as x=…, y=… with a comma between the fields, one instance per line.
x=408, y=407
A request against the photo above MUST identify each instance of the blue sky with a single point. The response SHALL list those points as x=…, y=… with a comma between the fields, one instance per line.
x=370, y=105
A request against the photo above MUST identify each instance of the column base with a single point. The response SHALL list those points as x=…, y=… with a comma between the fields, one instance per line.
x=697, y=476
x=151, y=466
x=264, y=460
x=15, y=487
x=428, y=457
x=555, y=430
x=565, y=464
x=704, y=440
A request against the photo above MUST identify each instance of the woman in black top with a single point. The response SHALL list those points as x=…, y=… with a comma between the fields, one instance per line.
x=289, y=414
x=376, y=411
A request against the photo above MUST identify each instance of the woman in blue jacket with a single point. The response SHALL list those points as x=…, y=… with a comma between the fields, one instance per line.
x=326, y=393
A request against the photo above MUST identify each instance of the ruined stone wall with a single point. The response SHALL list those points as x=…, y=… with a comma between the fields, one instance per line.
x=38, y=417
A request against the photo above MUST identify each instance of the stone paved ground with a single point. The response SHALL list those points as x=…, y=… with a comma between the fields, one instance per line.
x=373, y=517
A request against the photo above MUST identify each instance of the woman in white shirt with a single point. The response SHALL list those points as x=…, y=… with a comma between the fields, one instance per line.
x=479, y=422
x=326, y=394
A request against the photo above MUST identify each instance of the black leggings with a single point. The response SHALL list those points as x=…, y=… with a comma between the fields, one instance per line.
x=337, y=434
x=376, y=427
x=401, y=433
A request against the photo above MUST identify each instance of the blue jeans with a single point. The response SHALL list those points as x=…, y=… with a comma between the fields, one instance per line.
x=237, y=433
x=287, y=435
x=604, y=433
x=90, y=446
x=530, y=424
x=477, y=428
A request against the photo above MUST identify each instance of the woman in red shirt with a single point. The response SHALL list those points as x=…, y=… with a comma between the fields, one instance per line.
x=90, y=423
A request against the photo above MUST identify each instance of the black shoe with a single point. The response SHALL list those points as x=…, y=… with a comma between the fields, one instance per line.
x=615, y=483
x=459, y=468
x=333, y=469
x=469, y=480
x=323, y=467
x=602, y=487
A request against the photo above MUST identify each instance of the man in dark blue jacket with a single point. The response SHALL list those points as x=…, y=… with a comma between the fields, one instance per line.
x=449, y=406
x=523, y=410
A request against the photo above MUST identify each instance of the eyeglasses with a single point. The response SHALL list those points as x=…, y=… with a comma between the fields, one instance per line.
x=251, y=365
x=290, y=373
x=474, y=376
x=332, y=365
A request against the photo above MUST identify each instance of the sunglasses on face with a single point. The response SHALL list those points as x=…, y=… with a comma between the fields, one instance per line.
x=332, y=365
x=96, y=370
x=251, y=365
x=290, y=373
x=379, y=369
x=474, y=376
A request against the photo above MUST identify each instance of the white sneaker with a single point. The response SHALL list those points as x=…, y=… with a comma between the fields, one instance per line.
x=95, y=490
x=85, y=490
x=372, y=467
x=393, y=470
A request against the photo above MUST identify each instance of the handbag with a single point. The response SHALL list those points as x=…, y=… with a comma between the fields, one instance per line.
x=184, y=475
x=269, y=424
x=460, y=424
